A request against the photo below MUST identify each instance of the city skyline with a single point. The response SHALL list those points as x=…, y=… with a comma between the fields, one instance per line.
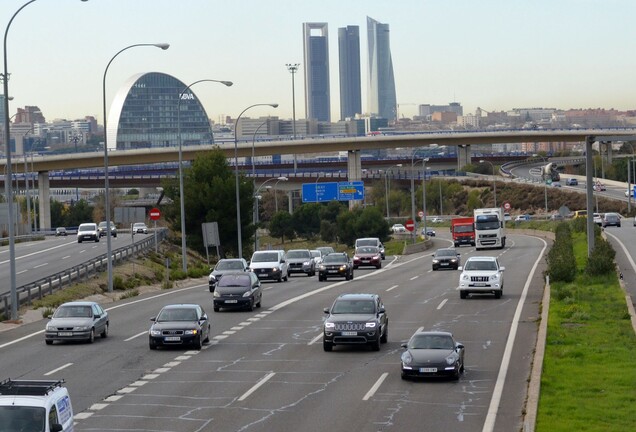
x=497, y=55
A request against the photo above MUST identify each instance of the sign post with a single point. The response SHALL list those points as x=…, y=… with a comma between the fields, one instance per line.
x=155, y=214
x=410, y=225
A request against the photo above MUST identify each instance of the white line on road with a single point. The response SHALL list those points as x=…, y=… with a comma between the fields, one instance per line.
x=256, y=386
x=314, y=340
x=441, y=305
x=136, y=336
x=20, y=272
x=41, y=265
x=58, y=369
x=66, y=257
x=415, y=277
x=38, y=252
x=375, y=387
x=392, y=288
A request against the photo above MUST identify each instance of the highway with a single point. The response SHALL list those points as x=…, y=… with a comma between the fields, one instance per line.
x=266, y=370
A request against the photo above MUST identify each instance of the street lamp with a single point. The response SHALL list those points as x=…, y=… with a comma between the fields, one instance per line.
x=494, y=180
x=275, y=190
x=386, y=187
x=293, y=68
x=236, y=175
x=413, y=185
x=424, y=168
x=8, y=186
x=109, y=258
x=629, y=178
x=545, y=183
x=257, y=197
x=184, y=261
x=320, y=175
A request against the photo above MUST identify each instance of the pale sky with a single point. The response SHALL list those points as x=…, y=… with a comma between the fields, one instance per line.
x=493, y=54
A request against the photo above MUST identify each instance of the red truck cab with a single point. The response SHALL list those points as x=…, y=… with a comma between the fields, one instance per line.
x=463, y=231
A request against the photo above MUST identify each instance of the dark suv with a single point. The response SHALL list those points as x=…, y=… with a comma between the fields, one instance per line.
x=335, y=264
x=356, y=319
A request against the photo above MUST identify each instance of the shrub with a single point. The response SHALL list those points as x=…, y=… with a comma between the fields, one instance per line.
x=118, y=283
x=129, y=294
x=601, y=260
x=560, y=259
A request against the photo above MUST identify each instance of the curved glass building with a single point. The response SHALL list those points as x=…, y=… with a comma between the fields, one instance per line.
x=147, y=112
x=381, y=97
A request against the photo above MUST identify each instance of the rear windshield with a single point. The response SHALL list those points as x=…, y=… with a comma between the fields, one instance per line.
x=22, y=418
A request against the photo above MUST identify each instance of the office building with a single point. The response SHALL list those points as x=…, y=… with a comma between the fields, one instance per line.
x=349, y=63
x=381, y=83
x=146, y=112
x=316, y=62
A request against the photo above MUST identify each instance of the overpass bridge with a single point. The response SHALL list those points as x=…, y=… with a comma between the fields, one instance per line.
x=354, y=146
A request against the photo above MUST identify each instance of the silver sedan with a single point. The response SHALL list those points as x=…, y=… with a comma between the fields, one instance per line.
x=77, y=321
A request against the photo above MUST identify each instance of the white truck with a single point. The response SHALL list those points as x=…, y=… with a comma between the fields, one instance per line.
x=490, y=228
x=35, y=406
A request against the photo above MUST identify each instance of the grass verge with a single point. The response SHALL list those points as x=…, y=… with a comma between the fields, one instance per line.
x=589, y=380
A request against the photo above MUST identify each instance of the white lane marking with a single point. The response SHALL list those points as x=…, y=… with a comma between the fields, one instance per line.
x=41, y=265
x=489, y=423
x=414, y=277
x=316, y=339
x=20, y=272
x=136, y=336
x=38, y=252
x=441, y=305
x=392, y=288
x=66, y=257
x=82, y=251
x=375, y=387
x=256, y=386
x=58, y=369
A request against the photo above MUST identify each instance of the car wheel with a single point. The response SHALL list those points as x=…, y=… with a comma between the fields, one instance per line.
x=198, y=343
x=97, y=240
x=404, y=376
x=320, y=278
x=260, y=299
x=327, y=346
x=250, y=306
x=498, y=294
x=456, y=375
x=79, y=241
x=385, y=336
x=463, y=294
x=375, y=345
x=461, y=368
x=286, y=278
x=379, y=266
x=152, y=345
x=91, y=337
x=207, y=335
x=216, y=309
x=104, y=334
x=48, y=342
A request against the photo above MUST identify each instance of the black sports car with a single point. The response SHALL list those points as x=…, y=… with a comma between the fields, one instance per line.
x=432, y=353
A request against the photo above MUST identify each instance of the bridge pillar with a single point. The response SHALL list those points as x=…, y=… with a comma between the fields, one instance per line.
x=463, y=156
x=609, y=152
x=354, y=171
x=44, y=200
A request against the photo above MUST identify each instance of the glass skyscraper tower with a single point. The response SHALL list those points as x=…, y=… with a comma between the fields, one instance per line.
x=316, y=58
x=381, y=97
x=349, y=61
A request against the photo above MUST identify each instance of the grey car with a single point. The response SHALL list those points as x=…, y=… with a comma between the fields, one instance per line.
x=77, y=321
x=224, y=266
x=300, y=261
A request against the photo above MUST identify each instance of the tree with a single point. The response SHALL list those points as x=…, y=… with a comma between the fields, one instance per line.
x=306, y=220
x=209, y=190
x=281, y=226
x=357, y=223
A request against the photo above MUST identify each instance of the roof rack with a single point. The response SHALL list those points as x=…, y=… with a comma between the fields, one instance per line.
x=28, y=387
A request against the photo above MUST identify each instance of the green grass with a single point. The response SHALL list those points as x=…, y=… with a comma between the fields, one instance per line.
x=589, y=378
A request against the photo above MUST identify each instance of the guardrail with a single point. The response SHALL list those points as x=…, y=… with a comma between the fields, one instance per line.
x=55, y=282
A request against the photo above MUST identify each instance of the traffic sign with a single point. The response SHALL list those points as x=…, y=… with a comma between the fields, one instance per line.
x=410, y=225
x=507, y=206
x=420, y=214
x=154, y=214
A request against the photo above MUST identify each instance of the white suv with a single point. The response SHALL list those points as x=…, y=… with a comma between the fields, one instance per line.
x=87, y=231
x=481, y=274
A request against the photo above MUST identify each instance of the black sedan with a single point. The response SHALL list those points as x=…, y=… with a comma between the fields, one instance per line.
x=432, y=354
x=446, y=258
x=178, y=325
x=238, y=290
x=335, y=264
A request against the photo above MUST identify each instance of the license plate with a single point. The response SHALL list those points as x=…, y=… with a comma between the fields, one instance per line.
x=172, y=338
x=350, y=333
x=333, y=271
x=231, y=301
x=65, y=334
x=444, y=264
x=366, y=259
x=262, y=275
x=479, y=284
x=428, y=370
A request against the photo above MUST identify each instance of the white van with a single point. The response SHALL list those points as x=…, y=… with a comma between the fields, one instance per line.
x=371, y=241
x=269, y=264
x=35, y=406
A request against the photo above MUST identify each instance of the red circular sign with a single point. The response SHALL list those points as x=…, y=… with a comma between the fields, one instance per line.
x=506, y=205
x=409, y=225
x=154, y=214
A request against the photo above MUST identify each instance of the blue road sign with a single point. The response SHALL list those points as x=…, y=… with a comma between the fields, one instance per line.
x=351, y=191
x=343, y=191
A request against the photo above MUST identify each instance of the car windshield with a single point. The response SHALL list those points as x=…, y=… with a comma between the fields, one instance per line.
x=326, y=250
x=139, y=225
x=486, y=222
x=446, y=252
x=298, y=254
x=431, y=342
x=334, y=259
x=22, y=418
x=73, y=312
x=315, y=253
x=229, y=265
x=265, y=257
x=87, y=228
x=231, y=280
x=367, y=250
x=353, y=307
x=480, y=265
x=463, y=228
x=367, y=242
x=177, y=314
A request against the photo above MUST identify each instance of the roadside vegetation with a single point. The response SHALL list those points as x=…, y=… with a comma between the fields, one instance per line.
x=589, y=380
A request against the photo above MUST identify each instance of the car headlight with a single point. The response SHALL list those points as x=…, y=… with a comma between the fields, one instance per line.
x=211, y=278
x=322, y=267
x=216, y=294
x=275, y=269
x=155, y=332
x=464, y=277
x=343, y=267
x=370, y=325
x=452, y=359
x=49, y=327
x=494, y=276
x=407, y=358
x=192, y=332
x=453, y=260
x=435, y=261
x=247, y=294
x=82, y=328
x=307, y=263
x=330, y=325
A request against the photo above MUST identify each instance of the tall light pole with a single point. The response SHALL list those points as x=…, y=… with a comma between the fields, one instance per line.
x=320, y=175
x=386, y=188
x=236, y=175
x=275, y=194
x=424, y=168
x=8, y=186
x=257, y=197
x=494, y=180
x=629, y=178
x=293, y=68
x=184, y=261
x=109, y=258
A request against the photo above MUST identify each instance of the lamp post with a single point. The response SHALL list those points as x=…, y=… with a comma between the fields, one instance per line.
x=629, y=178
x=236, y=175
x=184, y=261
x=386, y=188
x=545, y=183
x=494, y=180
x=257, y=197
x=320, y=175
x=275, y=190
x=109, y=258
x=424, y=168
x=8, y=186
x=293, y=68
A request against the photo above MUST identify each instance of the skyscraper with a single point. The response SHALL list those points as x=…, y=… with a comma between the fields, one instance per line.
x=350, y=84
x=381, y=97
x=316, y=57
